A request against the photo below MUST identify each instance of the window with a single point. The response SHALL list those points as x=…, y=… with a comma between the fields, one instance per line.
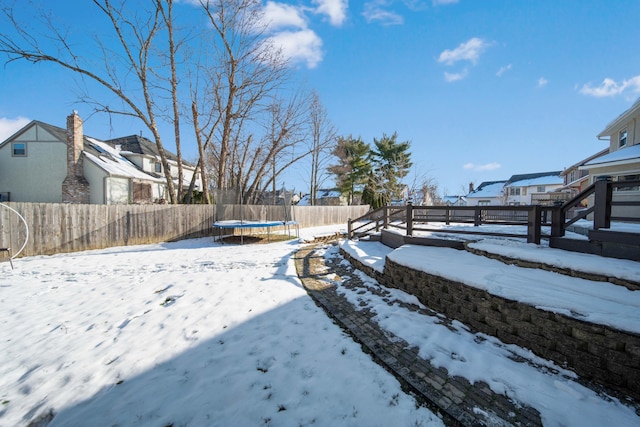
x=19, y=149
x=484, y=202
x=623, y=178
x=541, y=189
x=622, y=138
x=514, y=191
x=158, y=167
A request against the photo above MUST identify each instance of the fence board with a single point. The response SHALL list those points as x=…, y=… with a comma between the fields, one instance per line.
x=57, y=227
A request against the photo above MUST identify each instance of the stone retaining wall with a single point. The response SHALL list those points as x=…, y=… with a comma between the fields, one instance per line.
x=595, y=352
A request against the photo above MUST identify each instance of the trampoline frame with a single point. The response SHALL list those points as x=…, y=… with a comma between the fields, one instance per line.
x=244, y=224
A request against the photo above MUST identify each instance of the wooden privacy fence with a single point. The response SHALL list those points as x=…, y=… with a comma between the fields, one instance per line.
x=56, y=228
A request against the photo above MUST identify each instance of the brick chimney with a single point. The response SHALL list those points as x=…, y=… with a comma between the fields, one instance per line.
x=75, y=188
x=471, y=187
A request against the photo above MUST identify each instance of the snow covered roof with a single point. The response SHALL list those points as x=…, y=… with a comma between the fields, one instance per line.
x=542, y=180
x=137, y=144
x=626, y=154
x=488, y=189
x=539, y=178
x=111, y=161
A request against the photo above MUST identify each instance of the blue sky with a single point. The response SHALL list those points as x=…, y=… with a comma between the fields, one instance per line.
x=483, y=89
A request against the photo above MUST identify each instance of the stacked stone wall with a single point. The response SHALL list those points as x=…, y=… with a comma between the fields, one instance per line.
x=596, y=353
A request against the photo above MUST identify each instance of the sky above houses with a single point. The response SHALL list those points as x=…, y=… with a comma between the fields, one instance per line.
x=482, y=89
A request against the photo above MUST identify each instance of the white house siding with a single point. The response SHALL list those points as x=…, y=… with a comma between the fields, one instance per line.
x=41, y=172
x=117, y=190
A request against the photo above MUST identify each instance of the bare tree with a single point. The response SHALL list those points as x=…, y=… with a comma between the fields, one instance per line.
x=323, y=139
x=276, y=151
x=424, y=189
x=136, y=35
x=167, y=17
x=246, y=72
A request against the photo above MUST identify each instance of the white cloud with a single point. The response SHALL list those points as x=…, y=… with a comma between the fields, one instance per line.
x=503, y=70
x=375, y=11
x=454, y=77
x=482, y=168
x=290, y=33
x=467, y=51
x=610, y=87
x=299, y=46
x=542, y=82
x=336, y=10
x=280, y=15
x=10, y=126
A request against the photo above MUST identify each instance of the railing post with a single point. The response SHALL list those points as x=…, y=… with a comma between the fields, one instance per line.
x=557, y=222
x=477, y=217
x=385, y=220
x=447, y=219
x=534, y=224
x=409, y=217
x=603, y=195
x=349, y=228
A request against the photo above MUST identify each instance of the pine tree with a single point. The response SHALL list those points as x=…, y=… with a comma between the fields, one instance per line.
x=353, y=167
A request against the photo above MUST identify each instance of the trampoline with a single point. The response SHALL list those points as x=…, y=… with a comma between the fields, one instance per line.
x=244, y=224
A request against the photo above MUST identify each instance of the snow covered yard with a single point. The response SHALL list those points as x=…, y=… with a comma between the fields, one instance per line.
x=191, y=333
x=508, y=369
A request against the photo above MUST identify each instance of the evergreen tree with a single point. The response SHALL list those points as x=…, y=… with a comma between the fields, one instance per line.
x=353, y=167
x=392, y=161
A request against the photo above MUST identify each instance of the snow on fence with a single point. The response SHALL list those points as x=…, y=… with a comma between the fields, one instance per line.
x=57, y=227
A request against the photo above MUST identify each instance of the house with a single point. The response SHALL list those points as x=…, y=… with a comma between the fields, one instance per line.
x=576, y=178
x=144, y=154
x=622, y=162
x=45, y=163
x=326, y=197
x=488, y=193
x=532, y=188
x=455, y=200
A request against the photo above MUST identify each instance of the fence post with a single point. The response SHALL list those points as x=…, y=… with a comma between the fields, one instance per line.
x=477, y=217
x=603, y=195
x=409, y=217
x=447, y=215
x=534, y=224
x=349, y=228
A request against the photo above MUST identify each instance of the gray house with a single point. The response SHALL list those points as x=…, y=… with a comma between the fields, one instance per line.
x=45, y=163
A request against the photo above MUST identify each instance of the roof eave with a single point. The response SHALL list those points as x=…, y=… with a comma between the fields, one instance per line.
x=635, y=108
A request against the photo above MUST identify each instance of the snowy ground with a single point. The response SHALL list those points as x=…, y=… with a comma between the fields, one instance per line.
x=192, y=333
x=539, y=383
x=196, y=333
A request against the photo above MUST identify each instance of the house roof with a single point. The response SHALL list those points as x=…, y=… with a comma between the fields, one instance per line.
x=138, y=144
x=453, y=199
x=624, y=155
x=634, y=109
x=585, y=161
x=540, y=178
x=488, y=189
x=111, y=161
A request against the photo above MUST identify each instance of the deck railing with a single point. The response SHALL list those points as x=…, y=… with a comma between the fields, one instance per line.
x=417, y=218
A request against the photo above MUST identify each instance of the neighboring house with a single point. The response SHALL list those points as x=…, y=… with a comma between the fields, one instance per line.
x=144, y=154
x=330, y=197
x=45, y=163
x=576, y=178
x=622, y=163
x=489, y=193
x=455, y=200
x=532, y=188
